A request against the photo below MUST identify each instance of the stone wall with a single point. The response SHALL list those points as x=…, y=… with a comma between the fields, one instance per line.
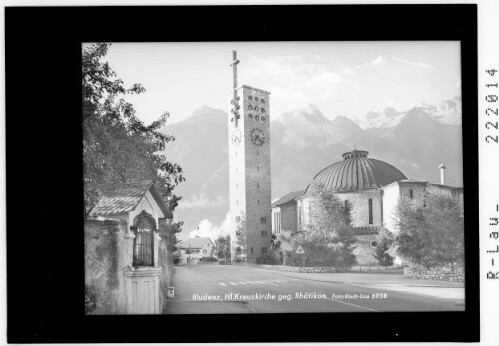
x=364, y=250
x=108, y=259
x=284, y=268
x=105, y=259
x=359, y=207
x=443, y=274
x=293, y=269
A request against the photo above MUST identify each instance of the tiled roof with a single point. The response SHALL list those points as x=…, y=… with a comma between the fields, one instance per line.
x=195, y=243
x=289, y=197
x=366, y=230
x=123, y=198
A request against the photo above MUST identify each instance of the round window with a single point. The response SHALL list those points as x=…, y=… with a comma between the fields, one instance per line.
x=374, y=244
x=250, y=107
x=263, y=118
x=256, y=109
x=256, y=117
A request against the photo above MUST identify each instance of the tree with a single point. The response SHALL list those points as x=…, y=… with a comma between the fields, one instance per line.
x=329, y=238
x=222, y=247
x=117, y=146
x=382, y=249
x=430, y=230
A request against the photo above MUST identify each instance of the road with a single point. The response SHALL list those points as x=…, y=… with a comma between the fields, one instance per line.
x=240, y=289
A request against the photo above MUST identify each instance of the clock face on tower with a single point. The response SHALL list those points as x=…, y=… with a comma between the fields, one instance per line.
x=257, y=137
x=236, y=137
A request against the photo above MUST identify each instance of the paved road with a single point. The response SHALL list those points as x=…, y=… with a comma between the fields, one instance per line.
x=239, y=289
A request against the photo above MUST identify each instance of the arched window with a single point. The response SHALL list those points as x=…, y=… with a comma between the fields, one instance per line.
x=262, y=110
x=256, y=108
x=262, y=101
x=256, y=99
x=250, y=116
x=143, y=243
x=250, y=98
x=370, y=211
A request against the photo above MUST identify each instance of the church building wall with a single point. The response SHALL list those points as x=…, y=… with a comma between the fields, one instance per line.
x=364, y=249
x=289, y=217
x=359, y=206
x=391, y=195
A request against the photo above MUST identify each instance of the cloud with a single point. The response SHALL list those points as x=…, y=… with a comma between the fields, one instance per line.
x=383, y=61
x=207, y=229
x=379, y=61
x=414, y=63
x=202, y=201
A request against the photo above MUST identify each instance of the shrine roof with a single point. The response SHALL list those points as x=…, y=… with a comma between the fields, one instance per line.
x=122, y=198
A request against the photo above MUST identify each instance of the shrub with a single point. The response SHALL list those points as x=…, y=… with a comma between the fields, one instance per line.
x=268, y=258
x=431, y=230
x=382, y=250
x=208, y=259
x=176, y=260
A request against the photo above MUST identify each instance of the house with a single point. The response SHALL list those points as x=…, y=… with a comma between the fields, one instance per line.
x=127, y=267
x=197, y=247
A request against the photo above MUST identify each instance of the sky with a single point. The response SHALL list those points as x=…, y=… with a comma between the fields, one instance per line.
x=340, y=78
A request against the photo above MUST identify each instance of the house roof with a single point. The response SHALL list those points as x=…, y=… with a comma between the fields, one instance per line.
x=122, y=198
x=289, y=197
x=194, y=243
x=366, y=230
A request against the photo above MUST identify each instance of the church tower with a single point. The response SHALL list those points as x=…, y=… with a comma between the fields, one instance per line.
x=249, y=170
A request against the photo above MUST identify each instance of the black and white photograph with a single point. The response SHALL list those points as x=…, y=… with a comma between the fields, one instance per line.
x=250, y=173
x=273, y=177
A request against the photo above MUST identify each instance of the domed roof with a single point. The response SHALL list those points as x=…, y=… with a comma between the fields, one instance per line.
x=357, y=172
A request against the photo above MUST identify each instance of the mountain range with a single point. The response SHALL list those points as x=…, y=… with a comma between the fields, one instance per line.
x=304, y=141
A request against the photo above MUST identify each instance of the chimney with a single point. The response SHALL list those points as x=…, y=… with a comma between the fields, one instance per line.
x=442, y=173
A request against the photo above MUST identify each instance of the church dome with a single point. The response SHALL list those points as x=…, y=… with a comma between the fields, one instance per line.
x=358, y=172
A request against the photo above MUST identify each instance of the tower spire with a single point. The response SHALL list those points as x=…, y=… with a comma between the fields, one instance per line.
x=234, y=99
